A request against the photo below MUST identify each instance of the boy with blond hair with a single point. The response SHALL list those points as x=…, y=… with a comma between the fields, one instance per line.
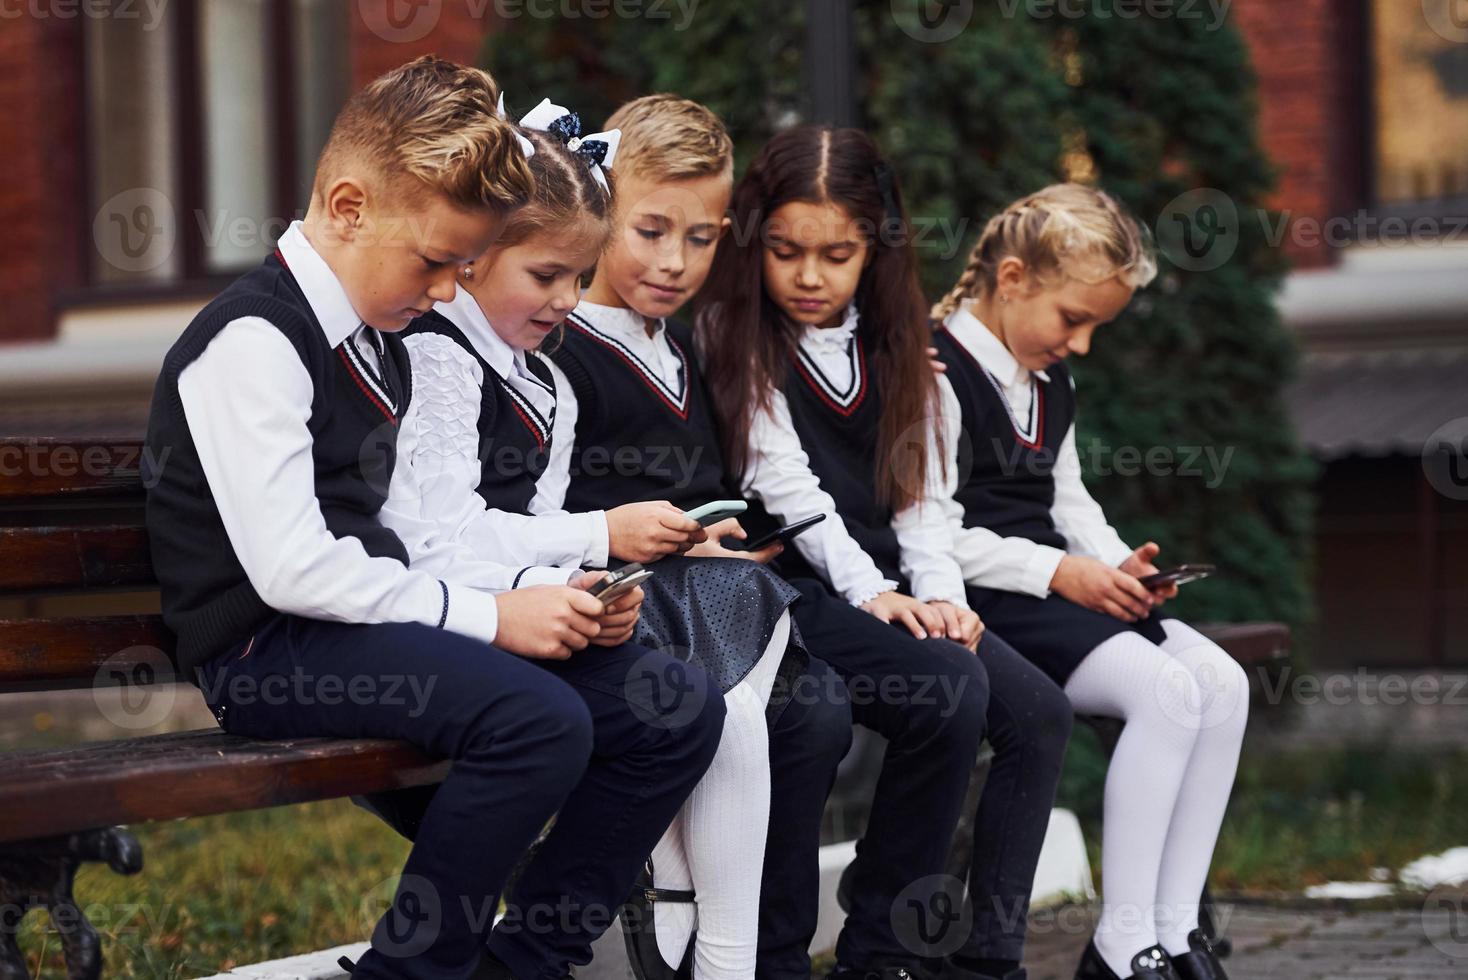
x=299, y=614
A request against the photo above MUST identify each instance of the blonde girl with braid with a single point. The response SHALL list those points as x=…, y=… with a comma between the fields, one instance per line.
x=1044, y=568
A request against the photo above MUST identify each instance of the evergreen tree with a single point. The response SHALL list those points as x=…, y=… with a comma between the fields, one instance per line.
x=979, y=103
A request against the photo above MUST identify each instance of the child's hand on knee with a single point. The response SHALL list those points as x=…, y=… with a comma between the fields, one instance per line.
x=1096, y=585
x=962, y=625
x=923, y=620
x=547, y=622
x=619, y=620
x=648, y=531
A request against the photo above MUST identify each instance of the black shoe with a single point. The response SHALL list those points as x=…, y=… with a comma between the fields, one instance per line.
x=876, y=973
x=955, y=971
x=490, y=967
x=1201, y=962
x=641, y=936
x=1150, y=964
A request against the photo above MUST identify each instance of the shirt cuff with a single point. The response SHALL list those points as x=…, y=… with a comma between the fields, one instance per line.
x=861, y=596
x=936, y=587
x=545, y=575
x=566, y=539
x=1040, y=570
x=1116, y=553
x=470, y=612
x=598, y=553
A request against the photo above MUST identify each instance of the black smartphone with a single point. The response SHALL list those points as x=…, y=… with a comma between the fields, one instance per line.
x=1181, y=575
x=620, y=582
x=783, y=534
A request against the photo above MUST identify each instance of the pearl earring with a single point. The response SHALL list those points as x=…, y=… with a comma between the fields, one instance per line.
x=468, y=272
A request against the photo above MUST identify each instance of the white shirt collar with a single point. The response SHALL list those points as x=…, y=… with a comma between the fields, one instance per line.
x=837, y=336
x=463, y=312
x=988, y=349
x=324, y=292
x=619, y=320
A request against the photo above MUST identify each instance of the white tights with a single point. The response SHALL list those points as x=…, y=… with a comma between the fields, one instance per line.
x=1184, y=704
x=708, y=846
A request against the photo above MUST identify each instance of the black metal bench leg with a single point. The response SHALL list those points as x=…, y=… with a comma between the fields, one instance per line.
x=40, y=874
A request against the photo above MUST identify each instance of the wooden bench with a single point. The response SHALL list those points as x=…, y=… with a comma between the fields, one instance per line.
x=72, y=537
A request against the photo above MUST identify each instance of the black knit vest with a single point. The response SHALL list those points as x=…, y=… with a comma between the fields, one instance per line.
x=514, y=438
x=840, y=438
x=635, y=440
x=208, y=600
x=1006, y=482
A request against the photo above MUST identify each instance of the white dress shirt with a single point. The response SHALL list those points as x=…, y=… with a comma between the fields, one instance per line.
x=779, y=474
x=1018, y=564
x=439, y=441
x=247, y=401
x=627, y=329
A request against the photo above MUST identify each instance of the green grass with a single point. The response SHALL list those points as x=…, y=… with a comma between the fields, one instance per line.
x=224, y=891
x=1304, y=817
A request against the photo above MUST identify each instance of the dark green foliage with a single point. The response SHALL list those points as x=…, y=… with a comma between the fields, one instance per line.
x=1149, y=108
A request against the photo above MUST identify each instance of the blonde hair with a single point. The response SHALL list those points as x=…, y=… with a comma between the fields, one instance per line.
x=1053, y=231
x=431, y=125
x=565, y=194
x=666, y=137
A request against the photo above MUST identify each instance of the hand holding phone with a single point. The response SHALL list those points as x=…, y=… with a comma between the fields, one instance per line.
x=1181, y=575
x=785, y=534
x=618, y=583
x=716, y=511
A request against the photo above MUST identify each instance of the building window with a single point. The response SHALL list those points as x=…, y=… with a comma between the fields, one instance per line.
x=1420, y=55
x=203, y=130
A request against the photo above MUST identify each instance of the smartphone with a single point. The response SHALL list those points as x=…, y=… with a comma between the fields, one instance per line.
x=1181, y=575
x=619, y=583
x=716, y=511
x=785, y=533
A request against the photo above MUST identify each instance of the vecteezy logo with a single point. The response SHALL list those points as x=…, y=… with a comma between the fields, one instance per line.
x=1445, y=459
x=932, y=21
x=400, y=21
x=1199, y=230
x=407, y=913
x=132, y=688
x=1445, y=920
x=662, y=690
x=135, y=230
x=1447, y=18
x=931, y=918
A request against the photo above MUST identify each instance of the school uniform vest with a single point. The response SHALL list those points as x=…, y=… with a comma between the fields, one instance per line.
x=514, y=438
x=207, y=598
x=636, y=439
x=1006, y=465
x=839, y=432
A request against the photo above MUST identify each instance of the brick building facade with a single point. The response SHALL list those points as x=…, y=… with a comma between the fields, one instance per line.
x=1384, y=330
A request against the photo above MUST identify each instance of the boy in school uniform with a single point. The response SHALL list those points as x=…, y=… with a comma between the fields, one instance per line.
x=299, y=614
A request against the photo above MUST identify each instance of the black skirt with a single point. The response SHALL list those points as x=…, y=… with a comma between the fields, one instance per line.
x=717, y=614
x=1053, y=633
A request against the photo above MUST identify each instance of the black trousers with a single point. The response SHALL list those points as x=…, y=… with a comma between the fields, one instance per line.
x=612, y=740
x=935, y=701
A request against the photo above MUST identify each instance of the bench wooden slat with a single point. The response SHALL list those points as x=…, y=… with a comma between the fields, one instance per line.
x=38, y=558
x=70, y=650
x=33, y=468
x=1251, y=644
x=193, y=774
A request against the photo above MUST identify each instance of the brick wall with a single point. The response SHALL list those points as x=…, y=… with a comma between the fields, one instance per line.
x=452, y=29
x=39, y=203
x=1307, y=54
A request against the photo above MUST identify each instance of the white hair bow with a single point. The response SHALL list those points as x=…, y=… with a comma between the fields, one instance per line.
x=526, y=147
x=598, y=149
